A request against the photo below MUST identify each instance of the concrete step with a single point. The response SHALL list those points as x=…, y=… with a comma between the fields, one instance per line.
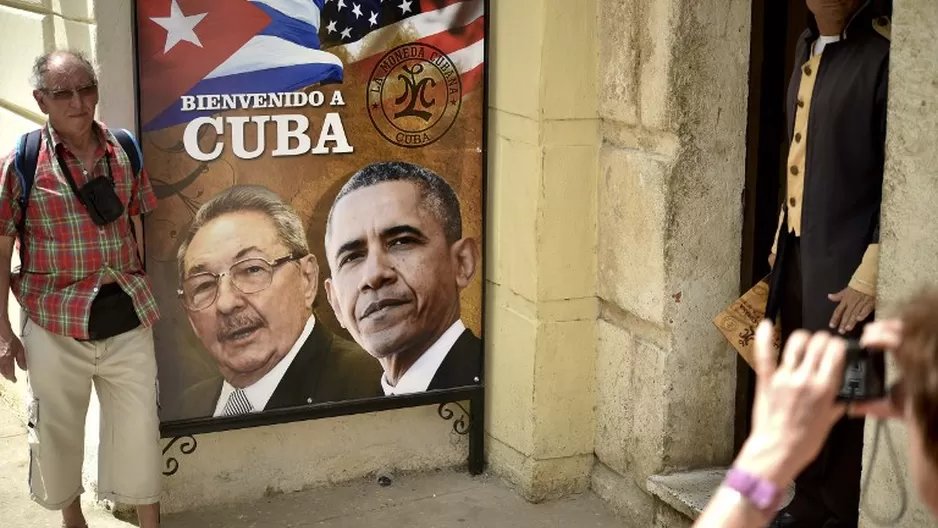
x=689, y=492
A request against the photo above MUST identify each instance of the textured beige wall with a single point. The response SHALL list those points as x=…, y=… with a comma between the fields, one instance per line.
x=909, y=223
x=674, y=81
x=542, y=253
x=232, y=466
x=244, y=465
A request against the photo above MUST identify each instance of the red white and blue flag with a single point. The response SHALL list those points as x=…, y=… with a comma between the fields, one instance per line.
x=198, y=47
x=201, y=47
x=361, y=31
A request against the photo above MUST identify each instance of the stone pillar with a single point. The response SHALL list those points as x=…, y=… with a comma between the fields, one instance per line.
x=908, y=224
x=541, y=304
x=674, y=84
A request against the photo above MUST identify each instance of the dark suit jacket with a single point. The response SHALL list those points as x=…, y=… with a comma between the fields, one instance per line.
x=845, y=151
x=462, y=366
x=327, y=368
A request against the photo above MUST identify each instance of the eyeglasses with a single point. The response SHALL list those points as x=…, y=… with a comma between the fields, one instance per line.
x=251, y=275
x=62, y=95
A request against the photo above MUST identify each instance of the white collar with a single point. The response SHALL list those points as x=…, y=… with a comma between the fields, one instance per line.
x=818, y=47
x=260, y=392
x=418, y=377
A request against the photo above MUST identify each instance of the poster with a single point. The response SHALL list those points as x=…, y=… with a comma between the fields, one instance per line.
x=319, y=170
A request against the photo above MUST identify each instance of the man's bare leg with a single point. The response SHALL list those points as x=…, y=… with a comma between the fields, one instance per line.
x=72, y=516
x=148, y=515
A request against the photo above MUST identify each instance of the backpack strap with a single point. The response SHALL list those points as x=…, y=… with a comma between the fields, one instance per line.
x=27, y=157
x=131, y=147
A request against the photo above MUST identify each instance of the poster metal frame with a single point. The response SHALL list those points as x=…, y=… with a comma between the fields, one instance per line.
x=466, y=421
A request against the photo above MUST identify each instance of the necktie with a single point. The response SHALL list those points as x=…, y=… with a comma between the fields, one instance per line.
x=238, y=403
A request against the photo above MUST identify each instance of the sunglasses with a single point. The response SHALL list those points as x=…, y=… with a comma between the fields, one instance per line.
x=62, y=95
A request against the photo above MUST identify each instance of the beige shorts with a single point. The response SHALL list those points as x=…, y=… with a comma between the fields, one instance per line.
x=60, y=373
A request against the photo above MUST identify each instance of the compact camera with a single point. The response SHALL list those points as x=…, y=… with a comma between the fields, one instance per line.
x=864, y=374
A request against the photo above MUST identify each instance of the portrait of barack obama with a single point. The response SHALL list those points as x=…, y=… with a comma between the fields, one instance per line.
x=248, y=283
x=398, y=262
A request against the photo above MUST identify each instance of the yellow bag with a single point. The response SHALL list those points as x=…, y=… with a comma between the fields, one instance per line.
x=738, y=322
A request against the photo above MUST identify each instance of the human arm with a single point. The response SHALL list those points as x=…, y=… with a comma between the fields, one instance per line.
x=794, y=410
x=11, y=349
x=858, y=300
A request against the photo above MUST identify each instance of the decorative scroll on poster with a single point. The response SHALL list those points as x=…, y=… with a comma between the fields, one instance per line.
x=319, y=169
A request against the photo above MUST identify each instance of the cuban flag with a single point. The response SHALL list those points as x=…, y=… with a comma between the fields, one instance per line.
x=201, y=47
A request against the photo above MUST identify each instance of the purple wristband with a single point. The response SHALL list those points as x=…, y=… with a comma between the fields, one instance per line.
x=763, y=494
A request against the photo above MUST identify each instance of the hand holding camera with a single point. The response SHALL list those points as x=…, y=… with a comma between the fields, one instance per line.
x=796, y=402
x=883, y=336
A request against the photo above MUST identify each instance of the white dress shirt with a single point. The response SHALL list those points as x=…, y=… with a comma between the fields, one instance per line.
x=822, y=43
x=260, y=392
x=420, y=374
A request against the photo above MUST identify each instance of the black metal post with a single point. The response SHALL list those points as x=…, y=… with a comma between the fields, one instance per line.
x=477, y=433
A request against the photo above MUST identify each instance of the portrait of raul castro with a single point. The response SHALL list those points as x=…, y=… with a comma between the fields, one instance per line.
x=248, y=282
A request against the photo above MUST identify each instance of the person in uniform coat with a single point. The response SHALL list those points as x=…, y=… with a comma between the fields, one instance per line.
x=398, y=261
x=248, y=282
x=826, y=252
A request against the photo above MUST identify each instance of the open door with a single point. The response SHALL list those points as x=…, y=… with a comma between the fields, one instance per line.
x=776, y=27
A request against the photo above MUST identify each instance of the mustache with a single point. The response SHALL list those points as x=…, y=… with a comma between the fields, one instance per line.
x=234, y=325
x=380, y=304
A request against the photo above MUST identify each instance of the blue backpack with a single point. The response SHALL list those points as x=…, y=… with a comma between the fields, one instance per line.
x=27, y=157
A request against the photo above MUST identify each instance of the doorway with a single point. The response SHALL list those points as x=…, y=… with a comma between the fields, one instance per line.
x=776, y=27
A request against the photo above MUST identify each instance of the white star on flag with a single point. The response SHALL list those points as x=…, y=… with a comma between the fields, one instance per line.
x=347, y=33
x=342, y=4
x=179, y=27
x=373, y=19
x=331, y=27
x=357, y=11
x=405, y=6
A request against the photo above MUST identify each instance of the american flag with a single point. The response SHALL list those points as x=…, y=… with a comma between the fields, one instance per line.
x=361, y=31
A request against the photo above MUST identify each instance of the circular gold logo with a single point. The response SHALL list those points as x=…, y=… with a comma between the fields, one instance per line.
x=414, y=95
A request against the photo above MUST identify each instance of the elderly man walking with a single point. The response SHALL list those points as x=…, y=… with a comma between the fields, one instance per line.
x=74, y=197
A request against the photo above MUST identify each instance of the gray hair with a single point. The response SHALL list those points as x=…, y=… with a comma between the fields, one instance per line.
x=438, y=196
x=41, y=66
x=242, y=198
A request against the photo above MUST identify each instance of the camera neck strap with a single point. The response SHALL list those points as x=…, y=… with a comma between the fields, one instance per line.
x=71, y=181
x=882, y=428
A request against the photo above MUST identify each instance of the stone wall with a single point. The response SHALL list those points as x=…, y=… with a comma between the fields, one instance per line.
x=909, y=224
x=674, y=83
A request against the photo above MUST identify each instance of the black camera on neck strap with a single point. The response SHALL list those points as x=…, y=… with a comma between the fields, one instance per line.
x=98, y=195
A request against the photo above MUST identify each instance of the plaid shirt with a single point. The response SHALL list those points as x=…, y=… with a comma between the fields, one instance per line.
x=65, y=256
